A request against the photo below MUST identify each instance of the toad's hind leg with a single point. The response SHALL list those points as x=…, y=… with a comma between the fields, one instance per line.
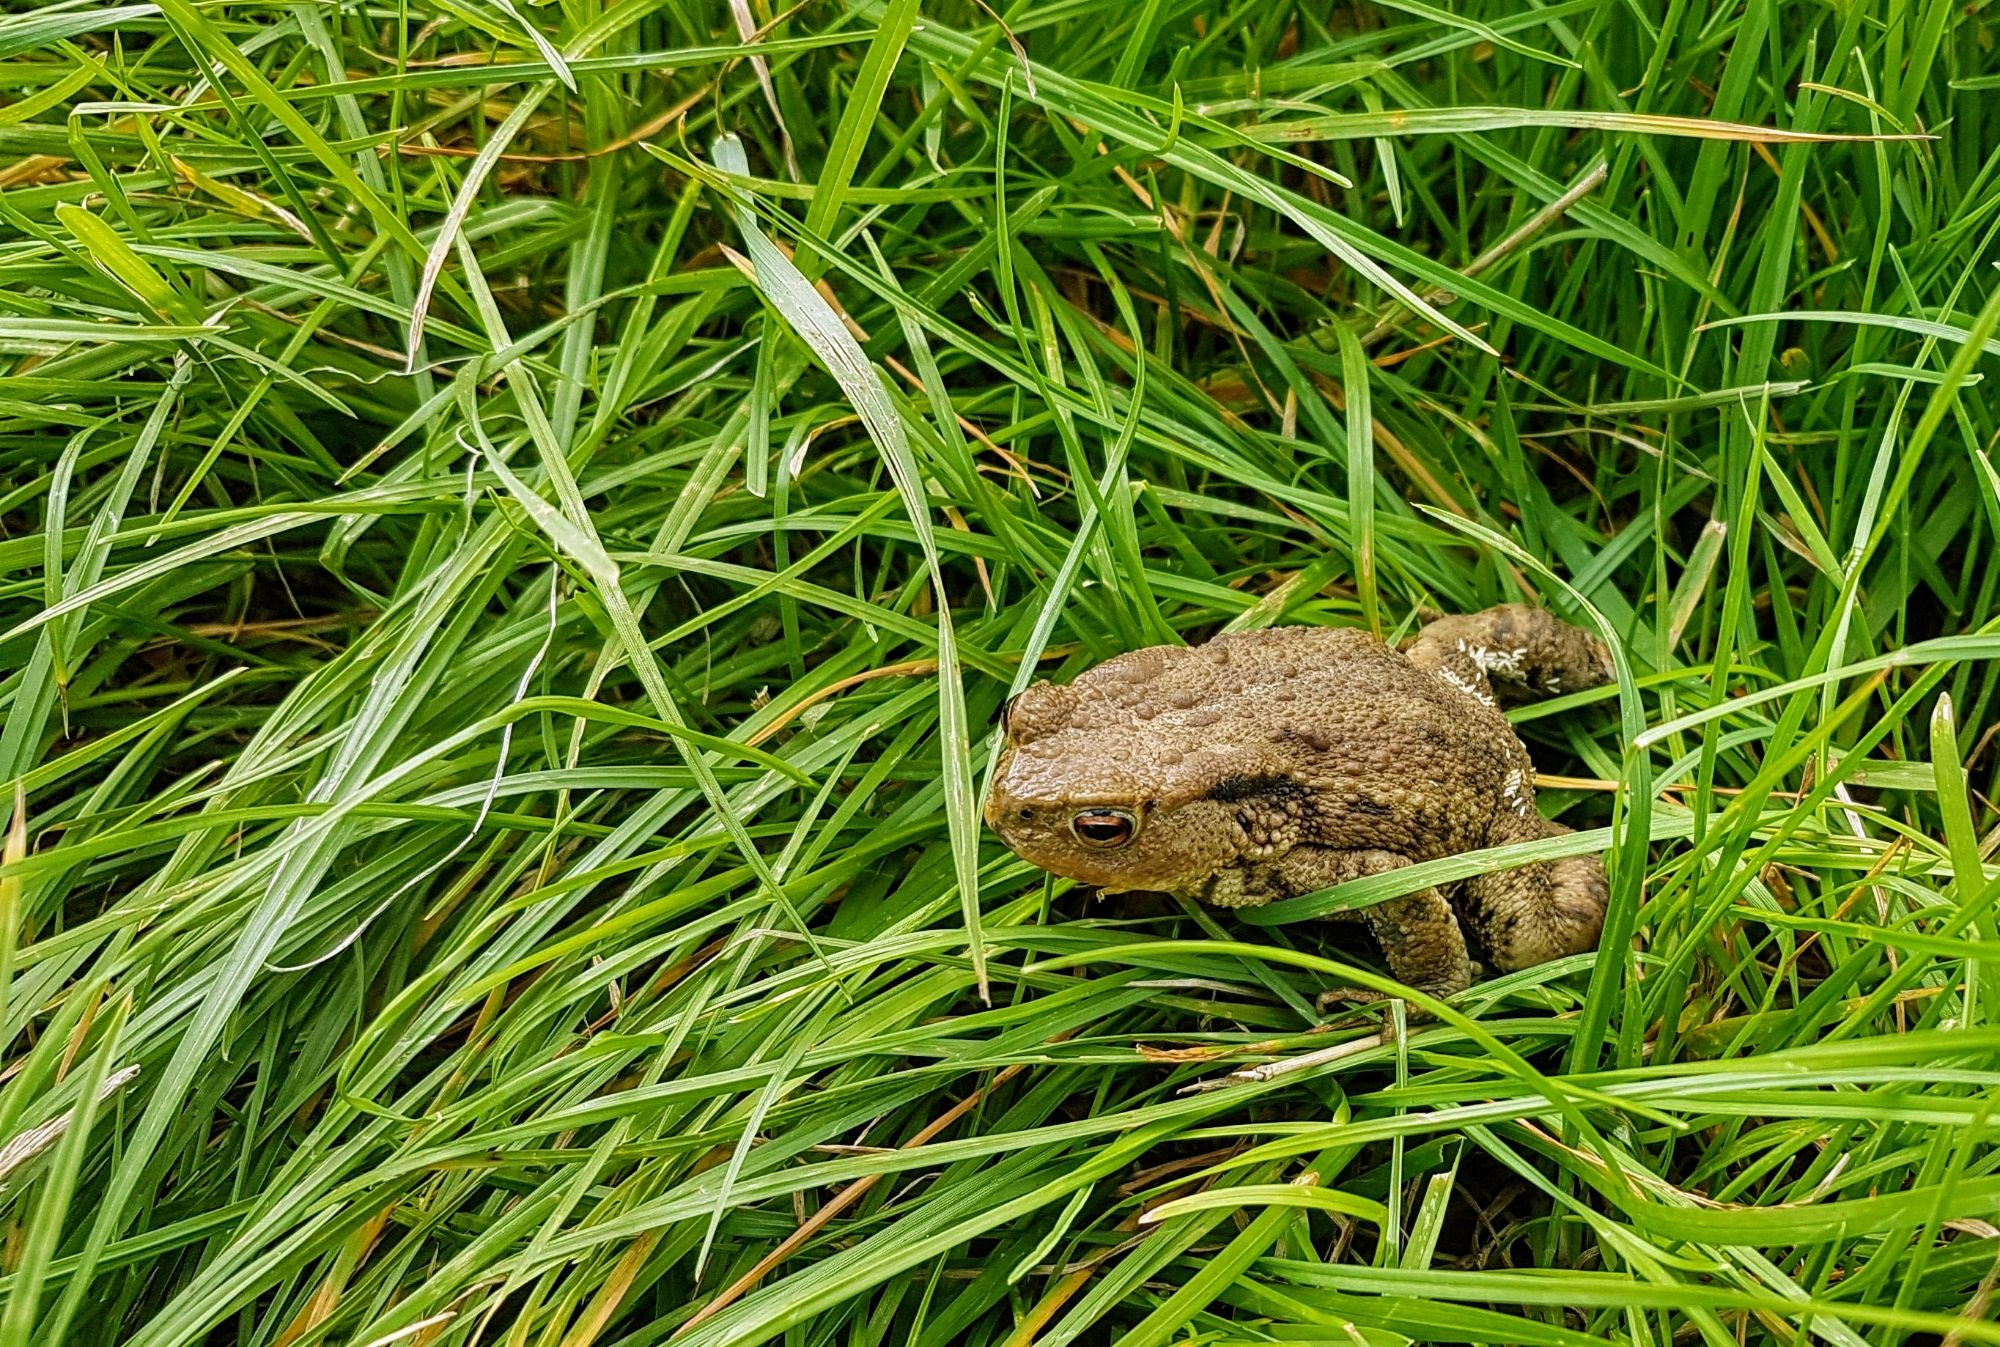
x=1418, y=932
x=1534, y=913
x=1526, y=651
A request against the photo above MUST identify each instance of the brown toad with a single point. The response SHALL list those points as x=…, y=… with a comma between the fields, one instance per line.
x=1268, y=764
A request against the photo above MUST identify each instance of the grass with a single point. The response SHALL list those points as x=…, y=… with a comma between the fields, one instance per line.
x=516, y=522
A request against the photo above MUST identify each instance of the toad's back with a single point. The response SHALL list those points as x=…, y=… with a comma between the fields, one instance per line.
x=1379, y=751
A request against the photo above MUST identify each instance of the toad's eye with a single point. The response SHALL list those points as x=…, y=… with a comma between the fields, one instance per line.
x=1105, y=828
x=1007, y=713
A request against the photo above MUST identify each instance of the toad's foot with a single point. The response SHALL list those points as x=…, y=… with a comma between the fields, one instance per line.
x=1333, y=1000
x=1518, y=650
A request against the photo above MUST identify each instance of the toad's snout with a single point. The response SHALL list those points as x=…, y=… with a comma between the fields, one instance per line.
x=1045, y=835
x=995, y=811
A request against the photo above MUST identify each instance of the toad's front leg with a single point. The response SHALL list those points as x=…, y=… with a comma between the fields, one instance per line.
x=1418, y=932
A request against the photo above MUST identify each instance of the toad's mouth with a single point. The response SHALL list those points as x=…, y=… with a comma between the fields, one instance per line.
x=1102, y=874
x=1078, y=871
x=1060, y=857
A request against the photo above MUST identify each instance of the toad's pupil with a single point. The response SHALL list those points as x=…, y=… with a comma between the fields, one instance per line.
x=1027, y=816
x=1103, y=830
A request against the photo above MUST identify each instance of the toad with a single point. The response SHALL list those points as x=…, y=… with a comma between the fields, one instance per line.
x=1268, y=764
